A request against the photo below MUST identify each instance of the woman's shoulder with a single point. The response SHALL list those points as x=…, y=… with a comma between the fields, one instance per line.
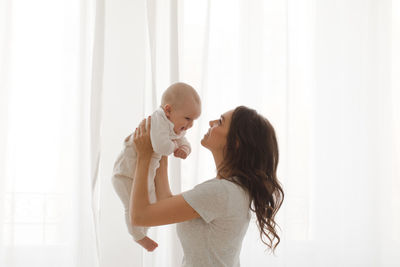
x=218, y=182
x=237, y=198
x=216, y=198
x=228, y=185
x=230, y=181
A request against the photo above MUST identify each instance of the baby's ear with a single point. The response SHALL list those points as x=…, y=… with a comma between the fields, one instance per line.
x=167, y=109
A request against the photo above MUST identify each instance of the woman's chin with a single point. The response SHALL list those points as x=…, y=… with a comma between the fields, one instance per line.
x=203, y=141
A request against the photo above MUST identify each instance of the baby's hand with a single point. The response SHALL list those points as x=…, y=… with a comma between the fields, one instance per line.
x=181, y=152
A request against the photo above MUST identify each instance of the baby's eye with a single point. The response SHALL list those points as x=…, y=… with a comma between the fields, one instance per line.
x=188, y=119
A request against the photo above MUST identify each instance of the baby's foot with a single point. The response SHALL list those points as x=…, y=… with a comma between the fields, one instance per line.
x=147, y=243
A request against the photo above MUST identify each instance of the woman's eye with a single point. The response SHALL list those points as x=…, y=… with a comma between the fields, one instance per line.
x=219, y=121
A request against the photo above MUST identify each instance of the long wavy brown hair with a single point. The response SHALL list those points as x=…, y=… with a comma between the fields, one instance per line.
x=251, y=155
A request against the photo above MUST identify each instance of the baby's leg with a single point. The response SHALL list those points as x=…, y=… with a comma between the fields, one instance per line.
x=123, y=185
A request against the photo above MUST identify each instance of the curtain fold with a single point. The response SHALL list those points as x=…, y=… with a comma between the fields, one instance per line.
x=96, y=112
x=46, y=55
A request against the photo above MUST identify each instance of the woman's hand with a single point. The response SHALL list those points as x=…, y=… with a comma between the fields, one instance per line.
x=142, y=139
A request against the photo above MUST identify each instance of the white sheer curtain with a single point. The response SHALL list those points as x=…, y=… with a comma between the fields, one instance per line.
x=325, y=73
x=50, y=81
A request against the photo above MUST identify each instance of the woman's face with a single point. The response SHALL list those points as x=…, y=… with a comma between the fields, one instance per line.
x=215, y=138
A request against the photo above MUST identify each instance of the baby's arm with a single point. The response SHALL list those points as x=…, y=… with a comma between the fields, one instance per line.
x=163, y=145
x=160, y=140
x=184, y=148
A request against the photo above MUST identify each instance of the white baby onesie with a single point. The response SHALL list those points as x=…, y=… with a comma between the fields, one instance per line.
x=162, y=137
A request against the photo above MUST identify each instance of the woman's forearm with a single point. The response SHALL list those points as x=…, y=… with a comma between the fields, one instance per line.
x=139, y=199
x=163, y=189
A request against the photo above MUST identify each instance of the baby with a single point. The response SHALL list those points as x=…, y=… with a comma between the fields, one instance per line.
x=180, y=106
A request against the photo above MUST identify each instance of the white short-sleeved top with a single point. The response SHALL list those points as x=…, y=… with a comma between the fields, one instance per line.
x=215, y=239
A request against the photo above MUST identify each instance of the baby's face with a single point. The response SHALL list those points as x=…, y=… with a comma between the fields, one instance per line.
x=183, y=117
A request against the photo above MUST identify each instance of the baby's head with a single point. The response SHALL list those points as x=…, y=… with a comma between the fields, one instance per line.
x=181, y=105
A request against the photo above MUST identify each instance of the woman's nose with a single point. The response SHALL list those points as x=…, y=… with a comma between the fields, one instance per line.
x=212, y=123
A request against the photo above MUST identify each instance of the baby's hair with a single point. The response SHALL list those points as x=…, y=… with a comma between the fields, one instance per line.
x=177, y=93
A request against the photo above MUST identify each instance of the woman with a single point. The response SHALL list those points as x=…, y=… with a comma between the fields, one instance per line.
x=213, y=217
